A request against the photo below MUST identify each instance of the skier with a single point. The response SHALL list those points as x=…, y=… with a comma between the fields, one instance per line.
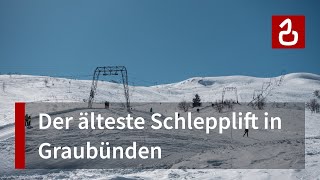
x=27, y=121
x=106, y=105
x=151, y=110
x=246, y=131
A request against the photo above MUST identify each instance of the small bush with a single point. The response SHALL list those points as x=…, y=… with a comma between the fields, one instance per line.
x=229, y=103
x=218, y=106
x=316, y=93
x=184, y=105
x=313, y=106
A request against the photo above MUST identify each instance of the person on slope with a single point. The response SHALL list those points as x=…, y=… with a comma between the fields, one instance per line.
x=246, y=131
x=27, y=119
x=106, y=104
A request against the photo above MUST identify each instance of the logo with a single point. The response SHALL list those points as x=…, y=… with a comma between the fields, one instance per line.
x=288, y=32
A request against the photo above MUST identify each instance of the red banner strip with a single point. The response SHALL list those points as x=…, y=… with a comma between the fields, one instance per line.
x=20, y=161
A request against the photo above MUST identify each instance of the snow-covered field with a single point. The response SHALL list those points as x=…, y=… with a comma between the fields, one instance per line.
x=297, y=87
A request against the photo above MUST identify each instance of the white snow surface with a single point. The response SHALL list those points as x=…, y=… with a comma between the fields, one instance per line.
x=295, y=87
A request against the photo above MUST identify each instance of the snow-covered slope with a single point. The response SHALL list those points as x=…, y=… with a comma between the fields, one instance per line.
x=296, y=87
x=293, y=87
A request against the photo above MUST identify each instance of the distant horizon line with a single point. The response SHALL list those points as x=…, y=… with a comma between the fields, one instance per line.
x=76, y=77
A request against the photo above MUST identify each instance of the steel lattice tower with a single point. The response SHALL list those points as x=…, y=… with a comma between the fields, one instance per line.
x=110, y=71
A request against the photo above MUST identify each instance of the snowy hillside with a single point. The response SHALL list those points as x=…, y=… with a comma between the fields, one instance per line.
x=296, y=87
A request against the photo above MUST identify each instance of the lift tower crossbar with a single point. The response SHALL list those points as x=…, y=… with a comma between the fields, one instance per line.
x=110, y=71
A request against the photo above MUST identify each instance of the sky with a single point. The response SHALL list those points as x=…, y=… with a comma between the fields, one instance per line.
x=159, y=41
